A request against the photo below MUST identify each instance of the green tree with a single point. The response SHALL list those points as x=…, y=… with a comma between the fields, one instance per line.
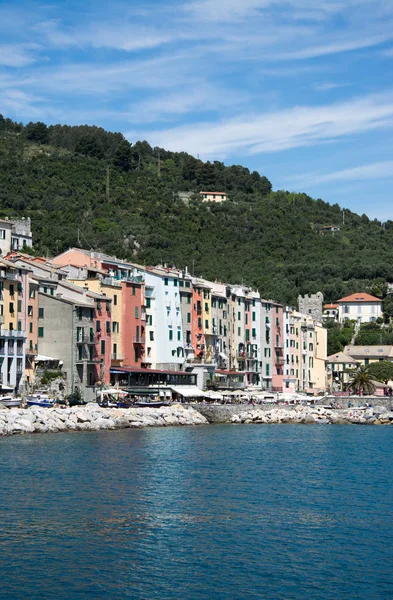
x=36, y=132
x=122, y=157
x=381, y=370
x=361, y=381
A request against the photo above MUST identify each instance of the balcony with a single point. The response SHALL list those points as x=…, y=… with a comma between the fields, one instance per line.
x=117, y=356
x=139, y=339
x=279, y=345
x=279, y=360
x=147, y=360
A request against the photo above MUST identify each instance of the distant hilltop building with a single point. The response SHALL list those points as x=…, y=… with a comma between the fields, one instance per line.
x=15, y=234
x=311, y=304
x=213, y=196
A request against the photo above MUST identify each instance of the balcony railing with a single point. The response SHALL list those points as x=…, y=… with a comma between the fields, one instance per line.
x=117, y=356
x=139, y=339
x=279, y=360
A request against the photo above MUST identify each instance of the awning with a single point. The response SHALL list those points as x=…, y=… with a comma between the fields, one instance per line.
x=188, y=391
x=6, y=388
x=43, y=358
x=214, y=395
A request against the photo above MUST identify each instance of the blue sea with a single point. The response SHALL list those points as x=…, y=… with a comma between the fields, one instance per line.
x=213, y=512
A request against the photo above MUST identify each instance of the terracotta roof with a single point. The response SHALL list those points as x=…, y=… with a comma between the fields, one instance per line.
x=331, y=305
x=359, y=297
x=217, y=193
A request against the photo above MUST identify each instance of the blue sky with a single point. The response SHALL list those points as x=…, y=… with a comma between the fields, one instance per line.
x=300, y=90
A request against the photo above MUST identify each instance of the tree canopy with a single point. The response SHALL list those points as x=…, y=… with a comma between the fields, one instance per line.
x=142, y=203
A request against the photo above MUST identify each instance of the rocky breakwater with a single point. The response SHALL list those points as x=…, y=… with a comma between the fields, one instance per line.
x=322, y=415
x=93, y=418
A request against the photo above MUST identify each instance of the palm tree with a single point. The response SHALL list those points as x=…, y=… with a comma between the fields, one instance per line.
x=361, y=381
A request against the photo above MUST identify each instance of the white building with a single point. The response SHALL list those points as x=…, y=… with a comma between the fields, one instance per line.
x=164, y=319
x=360, y=307
x=213, y=196
x=15, y=234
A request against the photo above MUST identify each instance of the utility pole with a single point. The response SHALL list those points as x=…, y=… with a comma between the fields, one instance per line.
x=107, y=184
x=343, y=216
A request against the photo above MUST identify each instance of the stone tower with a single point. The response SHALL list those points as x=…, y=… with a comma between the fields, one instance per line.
x=311, y=304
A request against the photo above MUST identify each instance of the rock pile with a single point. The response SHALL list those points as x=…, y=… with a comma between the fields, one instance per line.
x=92, y=418
x=318, y=414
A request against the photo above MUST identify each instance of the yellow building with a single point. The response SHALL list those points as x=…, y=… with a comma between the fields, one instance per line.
x=12, y=338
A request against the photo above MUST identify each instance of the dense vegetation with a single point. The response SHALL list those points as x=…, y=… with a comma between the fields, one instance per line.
x=127, y=200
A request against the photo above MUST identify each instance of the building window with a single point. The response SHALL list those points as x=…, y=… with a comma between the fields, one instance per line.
x=115, y=299
x=108, y=326
x=108, y=306
x=11, y=307
x=40, y=332
x=136, y=312
x=12, y=289
x=133, y=290
x=170, y=335
x=175, y=282
x=2, y=234
x=98, y=325
x=165, y=280
x=30, y=327
x=188, y=317
x=151, y=335
x=199, y=322
x=40, y=313
x=206, y=324
x=148, y=302
x=179, y=336
x=102, y=346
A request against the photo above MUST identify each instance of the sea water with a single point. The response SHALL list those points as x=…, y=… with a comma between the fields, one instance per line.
x=215, y=512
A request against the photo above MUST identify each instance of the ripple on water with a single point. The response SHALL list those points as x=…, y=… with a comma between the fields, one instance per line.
x=215, y=512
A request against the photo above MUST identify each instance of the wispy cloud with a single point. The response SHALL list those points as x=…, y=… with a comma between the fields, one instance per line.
x=335, y=47
x=378, y=170
x=280, y=130
x=17, y=55
x=327, y=86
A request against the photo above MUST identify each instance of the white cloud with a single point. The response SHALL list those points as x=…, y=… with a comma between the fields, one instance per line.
x=280, y=130
x=335, y=47
x=14, y=101
x=378, y=170
x=329, y=85
x=17, y=55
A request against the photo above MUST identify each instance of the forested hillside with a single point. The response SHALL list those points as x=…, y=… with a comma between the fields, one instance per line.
x=124, y=198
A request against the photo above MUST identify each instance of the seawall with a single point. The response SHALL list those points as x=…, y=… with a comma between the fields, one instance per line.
x=248, y=413
x=93, y=418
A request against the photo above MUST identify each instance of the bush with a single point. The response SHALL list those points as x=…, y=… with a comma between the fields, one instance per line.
x=49, y=376
x=76, y=398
